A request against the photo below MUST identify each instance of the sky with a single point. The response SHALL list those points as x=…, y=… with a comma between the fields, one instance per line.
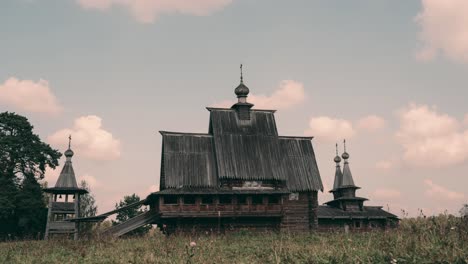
x=389, y=76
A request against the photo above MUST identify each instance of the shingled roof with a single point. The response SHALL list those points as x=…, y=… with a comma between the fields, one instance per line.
x=188, y=161
x=236, y=148
x=368, y=212
x=66, y=182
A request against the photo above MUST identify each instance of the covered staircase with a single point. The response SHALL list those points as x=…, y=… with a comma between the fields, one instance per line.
x=131, y=224
x=148, y=217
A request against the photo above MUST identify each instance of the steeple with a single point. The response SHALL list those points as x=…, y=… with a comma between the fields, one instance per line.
x=347, y=176
x=67, y=177
x=344, y=190
x=242, y=107
x=338, y=173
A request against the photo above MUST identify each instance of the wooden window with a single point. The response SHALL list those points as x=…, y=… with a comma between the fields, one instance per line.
x=242, y=199
x=170, y=199
x=257, y=199
x=273, y=199
x=59, y=217
x=225, y=199
x=207, y=200
x=189, y=199
x=294, y=197
x=357, y=224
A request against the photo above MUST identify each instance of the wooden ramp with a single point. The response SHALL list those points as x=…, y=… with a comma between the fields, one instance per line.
x=131, y=224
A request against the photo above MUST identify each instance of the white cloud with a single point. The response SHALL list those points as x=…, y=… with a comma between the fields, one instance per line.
x=288, y=94
x=386, y=194
x=336, y=129
x=90, y=180
x=89, y=139
x=147, y=11
x=29, y=96
x=439, y=192
x=444, y=29
x=371, y=123
x=430, y=139
x=331, y=129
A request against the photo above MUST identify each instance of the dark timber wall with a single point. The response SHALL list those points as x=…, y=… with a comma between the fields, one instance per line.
x=300, y=214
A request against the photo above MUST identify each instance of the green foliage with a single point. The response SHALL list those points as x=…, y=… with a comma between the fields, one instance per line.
x=464, y=211
x=88, y=205
x=31, y=209
x=131, y=212
x=442, y=239
x=23, y=160
x=22, y=152
x=88, y=208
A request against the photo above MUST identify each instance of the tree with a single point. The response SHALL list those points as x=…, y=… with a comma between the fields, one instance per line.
x=88, y=208
x=88, y=205
x=23, y=160
x=131, y=212
x=31, y=209
x=464, y=211
x=21, y=151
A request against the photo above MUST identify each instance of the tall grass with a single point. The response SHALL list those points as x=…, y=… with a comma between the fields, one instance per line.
x=441, y=239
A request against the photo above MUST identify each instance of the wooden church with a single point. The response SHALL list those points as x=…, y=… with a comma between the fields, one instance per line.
x=239, y=175
x=243, y=175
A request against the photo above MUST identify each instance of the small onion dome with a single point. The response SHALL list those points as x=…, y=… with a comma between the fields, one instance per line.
x=337, y=159
x=345, y=155
x=242, y=90
x=69, y=153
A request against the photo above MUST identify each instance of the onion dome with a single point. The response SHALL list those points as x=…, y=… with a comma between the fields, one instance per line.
x=69, y=153
x=337, y=159
x=241, y=90
x=345, y=155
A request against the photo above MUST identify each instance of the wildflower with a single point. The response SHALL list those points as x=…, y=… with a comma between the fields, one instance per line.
x=393, y=261
x=452, y=228
x=193, y=244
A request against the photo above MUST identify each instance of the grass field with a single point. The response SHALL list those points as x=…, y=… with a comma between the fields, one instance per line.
x=442, y=239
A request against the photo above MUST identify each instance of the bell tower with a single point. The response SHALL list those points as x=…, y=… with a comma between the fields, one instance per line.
x=344, y=189
x=64, y=201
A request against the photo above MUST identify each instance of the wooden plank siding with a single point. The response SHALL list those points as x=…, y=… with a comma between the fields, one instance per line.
x=300, y=215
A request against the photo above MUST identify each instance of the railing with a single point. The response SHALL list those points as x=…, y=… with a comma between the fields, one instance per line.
x=216, y=210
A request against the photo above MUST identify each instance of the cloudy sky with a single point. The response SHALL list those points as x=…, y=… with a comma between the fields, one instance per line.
x=389, y=76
